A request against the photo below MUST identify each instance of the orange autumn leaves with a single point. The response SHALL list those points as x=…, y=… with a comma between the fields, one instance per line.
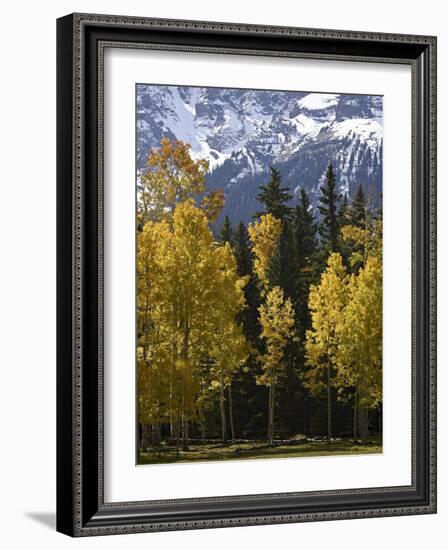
x=170, y=177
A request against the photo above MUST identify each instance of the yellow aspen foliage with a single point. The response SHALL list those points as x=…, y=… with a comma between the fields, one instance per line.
x=264, y=235
x=367, y=241
x=188, y=298
x=151, y=247
x=277, y=321
x=359, y=355
x=153, y=353
x=228, y=352
x=170, y=176
x=213, y=203
x=326, y=303
x=228, y=346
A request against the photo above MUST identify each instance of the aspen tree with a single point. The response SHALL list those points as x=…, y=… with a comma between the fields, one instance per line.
x=277, y=322
x=326, y=302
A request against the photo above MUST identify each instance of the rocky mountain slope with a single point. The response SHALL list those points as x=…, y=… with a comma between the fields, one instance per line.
x=243, y=132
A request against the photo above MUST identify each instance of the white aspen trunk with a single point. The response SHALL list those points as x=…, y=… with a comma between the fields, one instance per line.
x=177, y=435
x=170, y=403
x=222, y=407
x=184, y=432
x=203, y=427
x=271, y=414
x=146, y=433
x=185, y=354
x=363, y=421
x=172, y=373
x=232, y=426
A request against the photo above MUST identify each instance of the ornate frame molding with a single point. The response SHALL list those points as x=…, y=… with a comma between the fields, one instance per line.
x=81, y=42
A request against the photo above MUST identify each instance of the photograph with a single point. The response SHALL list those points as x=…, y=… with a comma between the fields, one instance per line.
x=259, y=308
x=246, y=272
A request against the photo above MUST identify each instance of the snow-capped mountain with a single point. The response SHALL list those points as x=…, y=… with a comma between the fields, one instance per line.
x=243, y=132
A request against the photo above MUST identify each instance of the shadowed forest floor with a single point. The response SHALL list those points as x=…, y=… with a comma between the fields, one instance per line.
x=250, y=450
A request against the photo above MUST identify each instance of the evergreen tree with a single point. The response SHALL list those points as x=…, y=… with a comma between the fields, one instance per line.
x=226, y=234
x=305, y=229
x=245, y=267
x=305, y=242
x=282, y=270
x=274, y=197
x=345, y=218
x=359, y=217
x=242, y=250
x=283, y=274
x=359, y=208
x=248, y=401
x=345, y=212
x=328, y=208
x=377, y=212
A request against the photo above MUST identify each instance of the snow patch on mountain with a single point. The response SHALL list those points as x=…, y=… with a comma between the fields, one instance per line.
x=318, y=102
x=368, y=130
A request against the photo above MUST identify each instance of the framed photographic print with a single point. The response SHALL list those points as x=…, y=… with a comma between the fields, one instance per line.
x=246, y=274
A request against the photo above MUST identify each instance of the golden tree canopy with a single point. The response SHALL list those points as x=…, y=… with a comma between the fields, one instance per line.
x=172, y=176
x=264, y=235
x=189, y=296
x=359, y=355
x=277, y=322
x=326, y=302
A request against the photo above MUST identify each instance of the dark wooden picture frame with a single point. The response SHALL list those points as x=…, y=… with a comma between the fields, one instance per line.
x=81, y=509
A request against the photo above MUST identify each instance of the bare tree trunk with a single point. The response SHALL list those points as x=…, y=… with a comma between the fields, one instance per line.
x=177, y=434
x=306, y=423
x=146, y=436
x=156, y=434
x=328, y=403
x=232, y=426
x=271, y=414
x=157, y=437
x=184, y=432
x=185, y=354
x=173, y=420
x=184, y=424
x=380, y=420
x=363, y=421
x=170, y=403
x=203, y=431
x=355, y=416
x=222, y=408
x=139, y=437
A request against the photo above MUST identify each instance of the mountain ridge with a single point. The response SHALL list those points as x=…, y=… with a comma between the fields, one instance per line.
x=243, y=132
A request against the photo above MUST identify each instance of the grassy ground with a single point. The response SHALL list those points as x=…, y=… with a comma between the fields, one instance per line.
x=250, y=450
